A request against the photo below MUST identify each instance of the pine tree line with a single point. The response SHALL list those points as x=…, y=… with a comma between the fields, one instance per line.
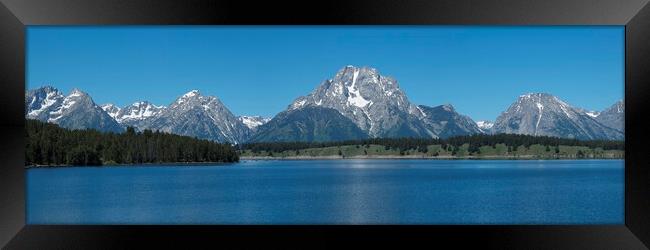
x=49, y=144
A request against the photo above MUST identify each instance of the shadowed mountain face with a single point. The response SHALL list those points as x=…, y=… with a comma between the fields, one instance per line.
x=445, y=122
x=614, y=116
x=309, y=123
x=75, y=111
x=546, y=115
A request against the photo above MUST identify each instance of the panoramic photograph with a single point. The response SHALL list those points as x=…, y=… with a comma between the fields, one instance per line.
x=281, y=125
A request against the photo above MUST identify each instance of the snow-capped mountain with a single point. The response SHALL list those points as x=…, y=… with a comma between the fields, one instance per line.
x=137, y=114
x=75, y=111
x=374, y=102
x=252, y=122
x=542, y=114
x=445, y=122
x=111, y=109
x=614, y=116
x=200, y=116
x=377, y=106
x=485, y=126
x=39, y=103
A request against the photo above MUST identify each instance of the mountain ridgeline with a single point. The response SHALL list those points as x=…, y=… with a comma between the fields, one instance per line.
x=357, y=103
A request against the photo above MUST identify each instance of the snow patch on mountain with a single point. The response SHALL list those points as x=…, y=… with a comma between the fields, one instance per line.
x=138, y=111
x=111, y=109
x=50, y=99
x=253, y=122
x=485, y=125
x=354, y=96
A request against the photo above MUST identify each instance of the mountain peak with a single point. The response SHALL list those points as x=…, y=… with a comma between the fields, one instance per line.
x=145, y=104
x=188, y=96
x=448, y=107
x=192, y=93
x=107, y=106
x=544, y=114
x=111, y=109
x=541, y=100
x=620, y=106
x=77, y=93
x=48, y=88
x=364, y=96
x=536, y=95
x=357, y=70
x=614, y=116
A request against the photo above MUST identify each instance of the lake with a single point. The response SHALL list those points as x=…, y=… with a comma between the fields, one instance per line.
x=333, y=192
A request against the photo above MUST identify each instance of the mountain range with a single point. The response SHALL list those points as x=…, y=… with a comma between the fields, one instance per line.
x=357, y=103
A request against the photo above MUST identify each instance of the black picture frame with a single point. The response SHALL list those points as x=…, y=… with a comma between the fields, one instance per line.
x=15, y=15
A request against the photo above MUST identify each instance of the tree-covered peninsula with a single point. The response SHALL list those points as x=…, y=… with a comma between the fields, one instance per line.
x=49, y=144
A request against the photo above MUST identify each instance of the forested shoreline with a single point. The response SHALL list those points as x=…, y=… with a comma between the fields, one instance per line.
x=474, y=142
x=49, y=144
x=500, y=146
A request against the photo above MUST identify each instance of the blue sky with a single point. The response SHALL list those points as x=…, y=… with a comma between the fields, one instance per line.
x=258, y=70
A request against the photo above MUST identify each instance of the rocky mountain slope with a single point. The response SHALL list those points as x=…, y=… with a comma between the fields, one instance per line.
x=75, y=111
x=546, y=115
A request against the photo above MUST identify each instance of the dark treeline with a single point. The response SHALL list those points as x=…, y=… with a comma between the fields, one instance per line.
x=49, y=144
x=474, y=141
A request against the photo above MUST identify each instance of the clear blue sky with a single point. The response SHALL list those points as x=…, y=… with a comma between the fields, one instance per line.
x=258, y=70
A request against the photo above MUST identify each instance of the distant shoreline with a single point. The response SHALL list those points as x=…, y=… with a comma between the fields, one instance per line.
x=400, y=157
x=333, y=157
x=137, y=164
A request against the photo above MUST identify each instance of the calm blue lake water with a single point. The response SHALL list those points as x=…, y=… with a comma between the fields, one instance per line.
x=333, y=192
